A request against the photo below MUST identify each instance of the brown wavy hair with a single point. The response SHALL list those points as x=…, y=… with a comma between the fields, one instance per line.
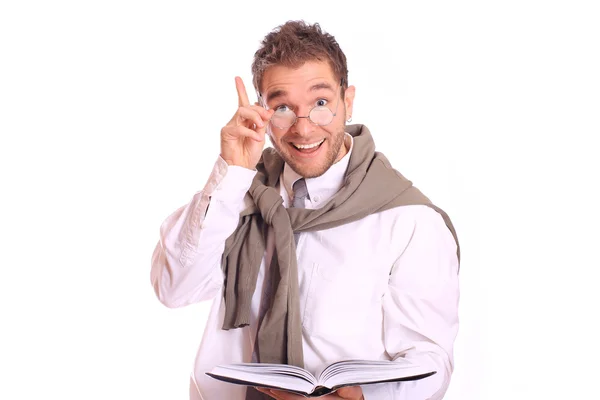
x=294, y=43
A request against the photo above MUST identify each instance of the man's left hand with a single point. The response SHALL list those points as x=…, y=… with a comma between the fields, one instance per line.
x=345, y=393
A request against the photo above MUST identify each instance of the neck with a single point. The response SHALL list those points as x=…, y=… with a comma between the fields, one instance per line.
x=343, y=150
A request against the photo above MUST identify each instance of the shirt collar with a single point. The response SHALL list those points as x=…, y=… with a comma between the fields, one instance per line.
x=326, y=185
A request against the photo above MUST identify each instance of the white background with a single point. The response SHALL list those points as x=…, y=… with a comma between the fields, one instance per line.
x=110, y=115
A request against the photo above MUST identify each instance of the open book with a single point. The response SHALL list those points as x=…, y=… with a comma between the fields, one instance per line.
x=333, y=377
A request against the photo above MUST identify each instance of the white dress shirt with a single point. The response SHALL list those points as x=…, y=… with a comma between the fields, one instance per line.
x=380, y=288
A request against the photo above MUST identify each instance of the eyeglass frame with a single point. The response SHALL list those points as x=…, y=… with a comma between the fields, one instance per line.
x=334, y=114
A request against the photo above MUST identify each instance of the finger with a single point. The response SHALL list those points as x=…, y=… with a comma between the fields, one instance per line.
x=249, y=114
x=241, y=91
x=275, y=394
x=235, y=132
x=283, y=395
x=263, y=390
x=350, y=392
x=265, y=114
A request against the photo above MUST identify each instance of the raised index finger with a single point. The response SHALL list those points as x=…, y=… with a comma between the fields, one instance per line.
x=241, y=90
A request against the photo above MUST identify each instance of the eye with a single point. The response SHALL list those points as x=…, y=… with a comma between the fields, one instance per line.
x=321, y=102
x=282, y=109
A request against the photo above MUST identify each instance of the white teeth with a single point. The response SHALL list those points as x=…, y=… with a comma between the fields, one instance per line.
x=308, y=146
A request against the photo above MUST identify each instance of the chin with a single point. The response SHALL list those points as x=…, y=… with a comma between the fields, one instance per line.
x=310, y=168
x=309, y=172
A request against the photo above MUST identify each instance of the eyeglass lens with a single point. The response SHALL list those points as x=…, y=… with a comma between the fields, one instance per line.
x=318, y=115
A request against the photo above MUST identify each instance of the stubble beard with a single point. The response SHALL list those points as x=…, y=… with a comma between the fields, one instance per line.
x=336, y=142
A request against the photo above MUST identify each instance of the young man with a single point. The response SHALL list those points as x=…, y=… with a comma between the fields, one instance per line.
x=314, y=251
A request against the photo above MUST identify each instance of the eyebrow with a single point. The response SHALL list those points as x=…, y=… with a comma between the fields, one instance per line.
x=282, y=93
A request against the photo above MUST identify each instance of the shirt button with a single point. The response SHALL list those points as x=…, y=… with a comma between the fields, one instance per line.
x=317, y=199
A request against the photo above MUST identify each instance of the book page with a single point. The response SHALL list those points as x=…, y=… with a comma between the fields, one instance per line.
x=355, y=372
x=286, y=377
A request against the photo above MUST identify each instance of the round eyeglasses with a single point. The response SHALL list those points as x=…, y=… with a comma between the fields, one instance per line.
x=318, y=115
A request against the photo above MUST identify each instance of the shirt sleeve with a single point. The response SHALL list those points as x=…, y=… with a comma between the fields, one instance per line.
x=186, y=263
x=421, y=309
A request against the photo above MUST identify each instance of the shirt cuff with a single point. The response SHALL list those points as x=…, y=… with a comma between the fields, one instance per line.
x=229, y=183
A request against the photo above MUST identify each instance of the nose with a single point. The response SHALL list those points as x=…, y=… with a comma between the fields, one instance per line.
x=303, y=126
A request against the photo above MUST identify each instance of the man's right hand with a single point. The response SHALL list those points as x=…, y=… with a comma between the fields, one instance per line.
x=243, y=138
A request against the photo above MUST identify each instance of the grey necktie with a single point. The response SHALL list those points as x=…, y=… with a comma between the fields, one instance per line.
x=300, y=195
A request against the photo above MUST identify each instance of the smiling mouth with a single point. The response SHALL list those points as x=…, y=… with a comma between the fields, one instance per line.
x=308, y=147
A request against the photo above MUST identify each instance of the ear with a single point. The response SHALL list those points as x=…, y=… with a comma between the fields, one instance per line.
x=349, y=100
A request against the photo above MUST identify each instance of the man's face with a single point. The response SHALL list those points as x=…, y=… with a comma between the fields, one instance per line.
x=301, y=89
